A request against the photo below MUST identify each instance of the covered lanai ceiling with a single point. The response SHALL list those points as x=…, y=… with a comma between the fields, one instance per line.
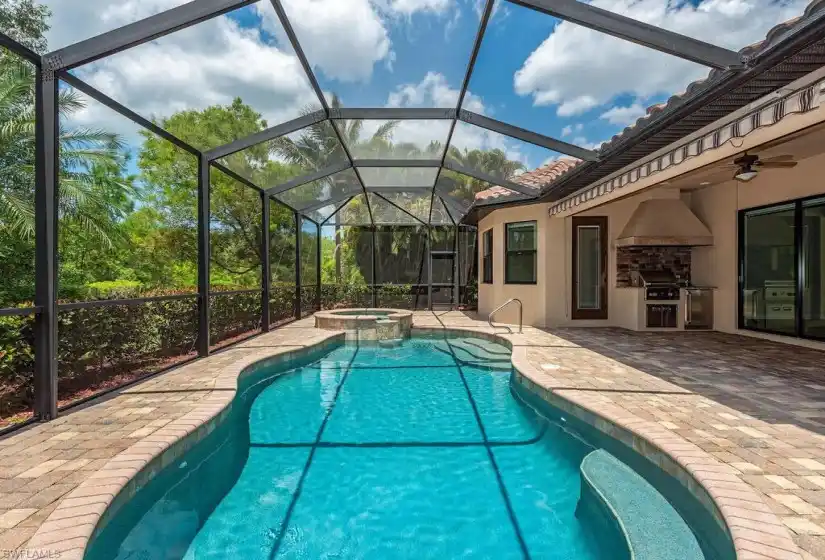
x=362, y=177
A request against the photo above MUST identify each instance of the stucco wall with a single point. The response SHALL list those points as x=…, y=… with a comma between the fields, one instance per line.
x=621, y=310
x=492, y=295
x=547, y=303
x=717, y=207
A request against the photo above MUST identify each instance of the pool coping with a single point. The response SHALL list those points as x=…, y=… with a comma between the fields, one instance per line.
x=365, y=326
x=733, y=503
x=741, y=512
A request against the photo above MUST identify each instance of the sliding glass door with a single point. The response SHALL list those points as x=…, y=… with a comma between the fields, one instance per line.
x=812, y=268
x=782, y=268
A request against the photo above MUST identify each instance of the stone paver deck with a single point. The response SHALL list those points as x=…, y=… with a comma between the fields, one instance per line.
x=745, y=417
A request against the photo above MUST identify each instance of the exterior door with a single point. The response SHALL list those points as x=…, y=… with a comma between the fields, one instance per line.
x=589, y=270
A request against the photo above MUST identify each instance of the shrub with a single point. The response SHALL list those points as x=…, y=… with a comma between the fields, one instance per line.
x=114, y=289
x=106, y=346
x=340, y=296
x=16, y=364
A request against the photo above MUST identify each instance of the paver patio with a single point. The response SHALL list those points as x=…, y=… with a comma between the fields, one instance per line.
x=757, y=407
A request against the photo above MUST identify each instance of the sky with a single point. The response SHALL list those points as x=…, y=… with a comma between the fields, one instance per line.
x=533, y=70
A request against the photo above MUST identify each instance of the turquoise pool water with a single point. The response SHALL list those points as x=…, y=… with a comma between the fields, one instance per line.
x=416, y=451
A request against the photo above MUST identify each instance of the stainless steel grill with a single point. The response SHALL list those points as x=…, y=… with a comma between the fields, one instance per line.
x=659, y=285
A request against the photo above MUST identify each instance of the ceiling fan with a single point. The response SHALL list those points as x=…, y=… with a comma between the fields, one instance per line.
x=748, y=165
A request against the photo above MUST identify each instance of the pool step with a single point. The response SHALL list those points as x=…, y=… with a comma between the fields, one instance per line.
x=616, y=500
x=478, y=350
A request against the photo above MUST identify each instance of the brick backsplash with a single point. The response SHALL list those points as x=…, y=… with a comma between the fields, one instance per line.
x=628, y=259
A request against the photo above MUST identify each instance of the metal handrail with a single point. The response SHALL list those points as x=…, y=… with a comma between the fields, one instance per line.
x=502, y=306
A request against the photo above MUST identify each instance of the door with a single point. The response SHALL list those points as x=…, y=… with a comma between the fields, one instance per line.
x=443, y=293
x=589, y=270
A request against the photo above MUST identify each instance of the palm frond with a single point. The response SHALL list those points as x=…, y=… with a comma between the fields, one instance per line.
x=69, y=101
x=92, y=138
x=386, y=130
x=17, y=214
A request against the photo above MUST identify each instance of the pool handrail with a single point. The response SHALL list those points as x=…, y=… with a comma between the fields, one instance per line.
x=502, y=306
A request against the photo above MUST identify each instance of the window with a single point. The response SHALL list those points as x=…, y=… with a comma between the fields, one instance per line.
x=782, y=264
x=487, y=258
x=520, y=253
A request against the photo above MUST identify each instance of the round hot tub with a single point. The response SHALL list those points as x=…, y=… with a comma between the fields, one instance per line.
x=367, y=323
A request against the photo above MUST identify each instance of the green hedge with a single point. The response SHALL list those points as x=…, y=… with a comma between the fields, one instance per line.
x=401, y=296
x=106, y=346
x=341, y=296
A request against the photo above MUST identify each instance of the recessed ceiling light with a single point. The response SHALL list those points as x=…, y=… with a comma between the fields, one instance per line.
x=704, y=183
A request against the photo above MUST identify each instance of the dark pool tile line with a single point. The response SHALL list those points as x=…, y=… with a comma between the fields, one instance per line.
x=403, y=444
x=282, y=529
x=511, y=514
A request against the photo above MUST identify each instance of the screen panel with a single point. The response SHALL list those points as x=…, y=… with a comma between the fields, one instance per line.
x=288, y=157
x=463, y=190
x=394, y=54
x=127, y=208
x=398, y=176
x=101, y=348
x=282, y=237
x=384, y=213
x=440, y=215
x=341, y=183
x=17, y=184
x=204, y=83
x=572, y=83
x=233, y=317
x=346, y=267
x=309, y=268
x=235, y=234
x=355, y=213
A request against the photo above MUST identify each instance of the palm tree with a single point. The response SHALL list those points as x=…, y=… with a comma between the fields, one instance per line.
x=490, y=162
x=319, y=147
x=90, y=162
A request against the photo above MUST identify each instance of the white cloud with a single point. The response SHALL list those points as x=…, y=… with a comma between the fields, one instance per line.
x=344, y=39
x=577, y=68
x=624, y=116
x=207, y=64
x=571, y=128
x=409, y=7
x=500, y=10
x=432, y=91
x=583, y=142
x=75, y=21
x=577, y=106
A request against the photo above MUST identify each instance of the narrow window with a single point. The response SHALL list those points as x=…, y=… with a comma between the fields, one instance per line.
x=487, y=257
x=520, y=253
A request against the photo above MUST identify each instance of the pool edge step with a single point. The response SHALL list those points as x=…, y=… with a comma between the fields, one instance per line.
x=618, y=500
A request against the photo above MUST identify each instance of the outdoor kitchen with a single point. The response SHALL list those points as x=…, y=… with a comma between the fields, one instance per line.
x=653, y=269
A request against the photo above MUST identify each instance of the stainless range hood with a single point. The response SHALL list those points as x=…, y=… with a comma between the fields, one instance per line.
x=664, y=221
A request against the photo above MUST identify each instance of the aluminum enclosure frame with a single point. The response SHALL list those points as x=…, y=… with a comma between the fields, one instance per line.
x=55, y=66
x=197, y=11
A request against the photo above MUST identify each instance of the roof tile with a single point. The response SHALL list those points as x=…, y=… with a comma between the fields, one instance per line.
x=534, y=179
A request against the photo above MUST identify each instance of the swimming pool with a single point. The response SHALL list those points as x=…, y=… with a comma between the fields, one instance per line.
x=416, y=451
